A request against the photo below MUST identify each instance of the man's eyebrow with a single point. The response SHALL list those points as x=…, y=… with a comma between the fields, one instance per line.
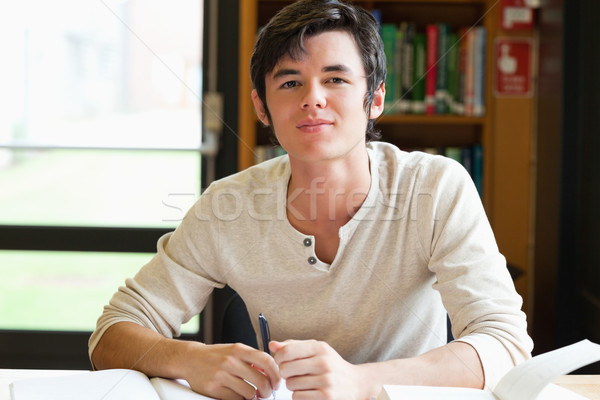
x=285, y=72
x=336, y=68
x=329, y=68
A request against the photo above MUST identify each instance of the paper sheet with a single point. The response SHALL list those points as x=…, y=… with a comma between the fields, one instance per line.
x=527, y=380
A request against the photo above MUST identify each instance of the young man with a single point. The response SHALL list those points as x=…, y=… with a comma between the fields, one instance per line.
x=355, y=251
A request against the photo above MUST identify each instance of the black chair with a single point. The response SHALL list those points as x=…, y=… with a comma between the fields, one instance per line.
x=231, y=322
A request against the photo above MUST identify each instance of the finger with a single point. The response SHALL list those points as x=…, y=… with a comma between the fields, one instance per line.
x=275, y=385
x=266, y=365
x=243, y=388
x=297, y=349
x=253, y=359
x=308, y=382
x=261, y=383
x=275, y=346
x=233, y=386
x=245, y=369
x=303, y=366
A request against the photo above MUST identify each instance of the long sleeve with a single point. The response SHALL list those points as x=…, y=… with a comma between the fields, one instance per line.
x=175, y=284
x=472, y=278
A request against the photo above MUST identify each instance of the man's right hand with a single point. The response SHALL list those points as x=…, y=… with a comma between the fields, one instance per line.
x=222, y=371
x=231, y=371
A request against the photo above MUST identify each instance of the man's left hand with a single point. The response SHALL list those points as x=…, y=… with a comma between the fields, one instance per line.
x=314, y=370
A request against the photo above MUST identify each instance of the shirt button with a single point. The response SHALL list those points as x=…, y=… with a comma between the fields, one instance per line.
x=312, y=260
x=307, y=242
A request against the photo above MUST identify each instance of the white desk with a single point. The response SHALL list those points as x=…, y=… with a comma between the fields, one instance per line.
x=585, y=385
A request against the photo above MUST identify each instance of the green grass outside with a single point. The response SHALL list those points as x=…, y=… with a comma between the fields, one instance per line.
x=62, y=290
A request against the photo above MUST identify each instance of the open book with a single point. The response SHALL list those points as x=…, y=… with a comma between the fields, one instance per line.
x=111, y=384
x=527, y=381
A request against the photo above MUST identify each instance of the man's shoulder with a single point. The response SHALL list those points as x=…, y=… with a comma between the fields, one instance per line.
x=252, y=192
x=389, y=156
x=263, y=175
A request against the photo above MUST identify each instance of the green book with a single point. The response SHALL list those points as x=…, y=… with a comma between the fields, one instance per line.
x=454, y=153
x=398, y=69
x=441, y=91
x=388, y=36
x=453, y=71
x=419, y=69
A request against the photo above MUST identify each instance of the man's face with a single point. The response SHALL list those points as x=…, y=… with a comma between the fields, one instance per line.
x=316, y=103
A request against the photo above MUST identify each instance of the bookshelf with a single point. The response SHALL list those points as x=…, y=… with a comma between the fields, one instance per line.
x=504, y=132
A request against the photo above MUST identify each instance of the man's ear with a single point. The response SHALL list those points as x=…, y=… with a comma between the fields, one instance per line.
x=260, y=108
x=378, y=101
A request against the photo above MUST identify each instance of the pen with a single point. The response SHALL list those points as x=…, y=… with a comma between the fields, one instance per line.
x=265, y=334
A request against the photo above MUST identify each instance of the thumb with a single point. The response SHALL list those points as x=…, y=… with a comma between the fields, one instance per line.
x=275, y=346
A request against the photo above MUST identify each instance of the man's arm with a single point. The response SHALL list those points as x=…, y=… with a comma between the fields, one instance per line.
x=314, y=370
x=454, y=364
x=221, y=371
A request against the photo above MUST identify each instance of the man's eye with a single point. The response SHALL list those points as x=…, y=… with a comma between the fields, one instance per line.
x=289, y=84
x=337, y=80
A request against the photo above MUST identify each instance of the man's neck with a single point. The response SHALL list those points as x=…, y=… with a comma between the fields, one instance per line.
x=323, y=197
x=333, y=190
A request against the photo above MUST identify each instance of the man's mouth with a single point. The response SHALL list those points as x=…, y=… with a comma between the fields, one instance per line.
x=313, y=125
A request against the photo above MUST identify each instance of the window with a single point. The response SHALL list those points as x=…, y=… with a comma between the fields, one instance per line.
x=100, y=137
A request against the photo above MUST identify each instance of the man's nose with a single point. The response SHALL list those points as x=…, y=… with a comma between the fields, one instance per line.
x=314, y=96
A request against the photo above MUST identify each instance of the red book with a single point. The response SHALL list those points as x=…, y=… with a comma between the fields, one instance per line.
x=431, y=71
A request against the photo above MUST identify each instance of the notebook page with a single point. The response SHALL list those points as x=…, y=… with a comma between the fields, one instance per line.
x=526, y=380
x=112, y=384
x=169, y=389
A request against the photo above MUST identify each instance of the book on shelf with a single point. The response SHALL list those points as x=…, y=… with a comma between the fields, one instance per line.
x=469, y=97
x=477, y=167
x=406, y=77
x=397, y=69
x=417, y=104
x=443, y=64
x=459, y=105
x=111, y=384
x=453, y=72
x=529, y=380
x=455, y=153
x=431, y=68
x=479, y=71
x=388, y=36
x=466, y=156
x=436, y=71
